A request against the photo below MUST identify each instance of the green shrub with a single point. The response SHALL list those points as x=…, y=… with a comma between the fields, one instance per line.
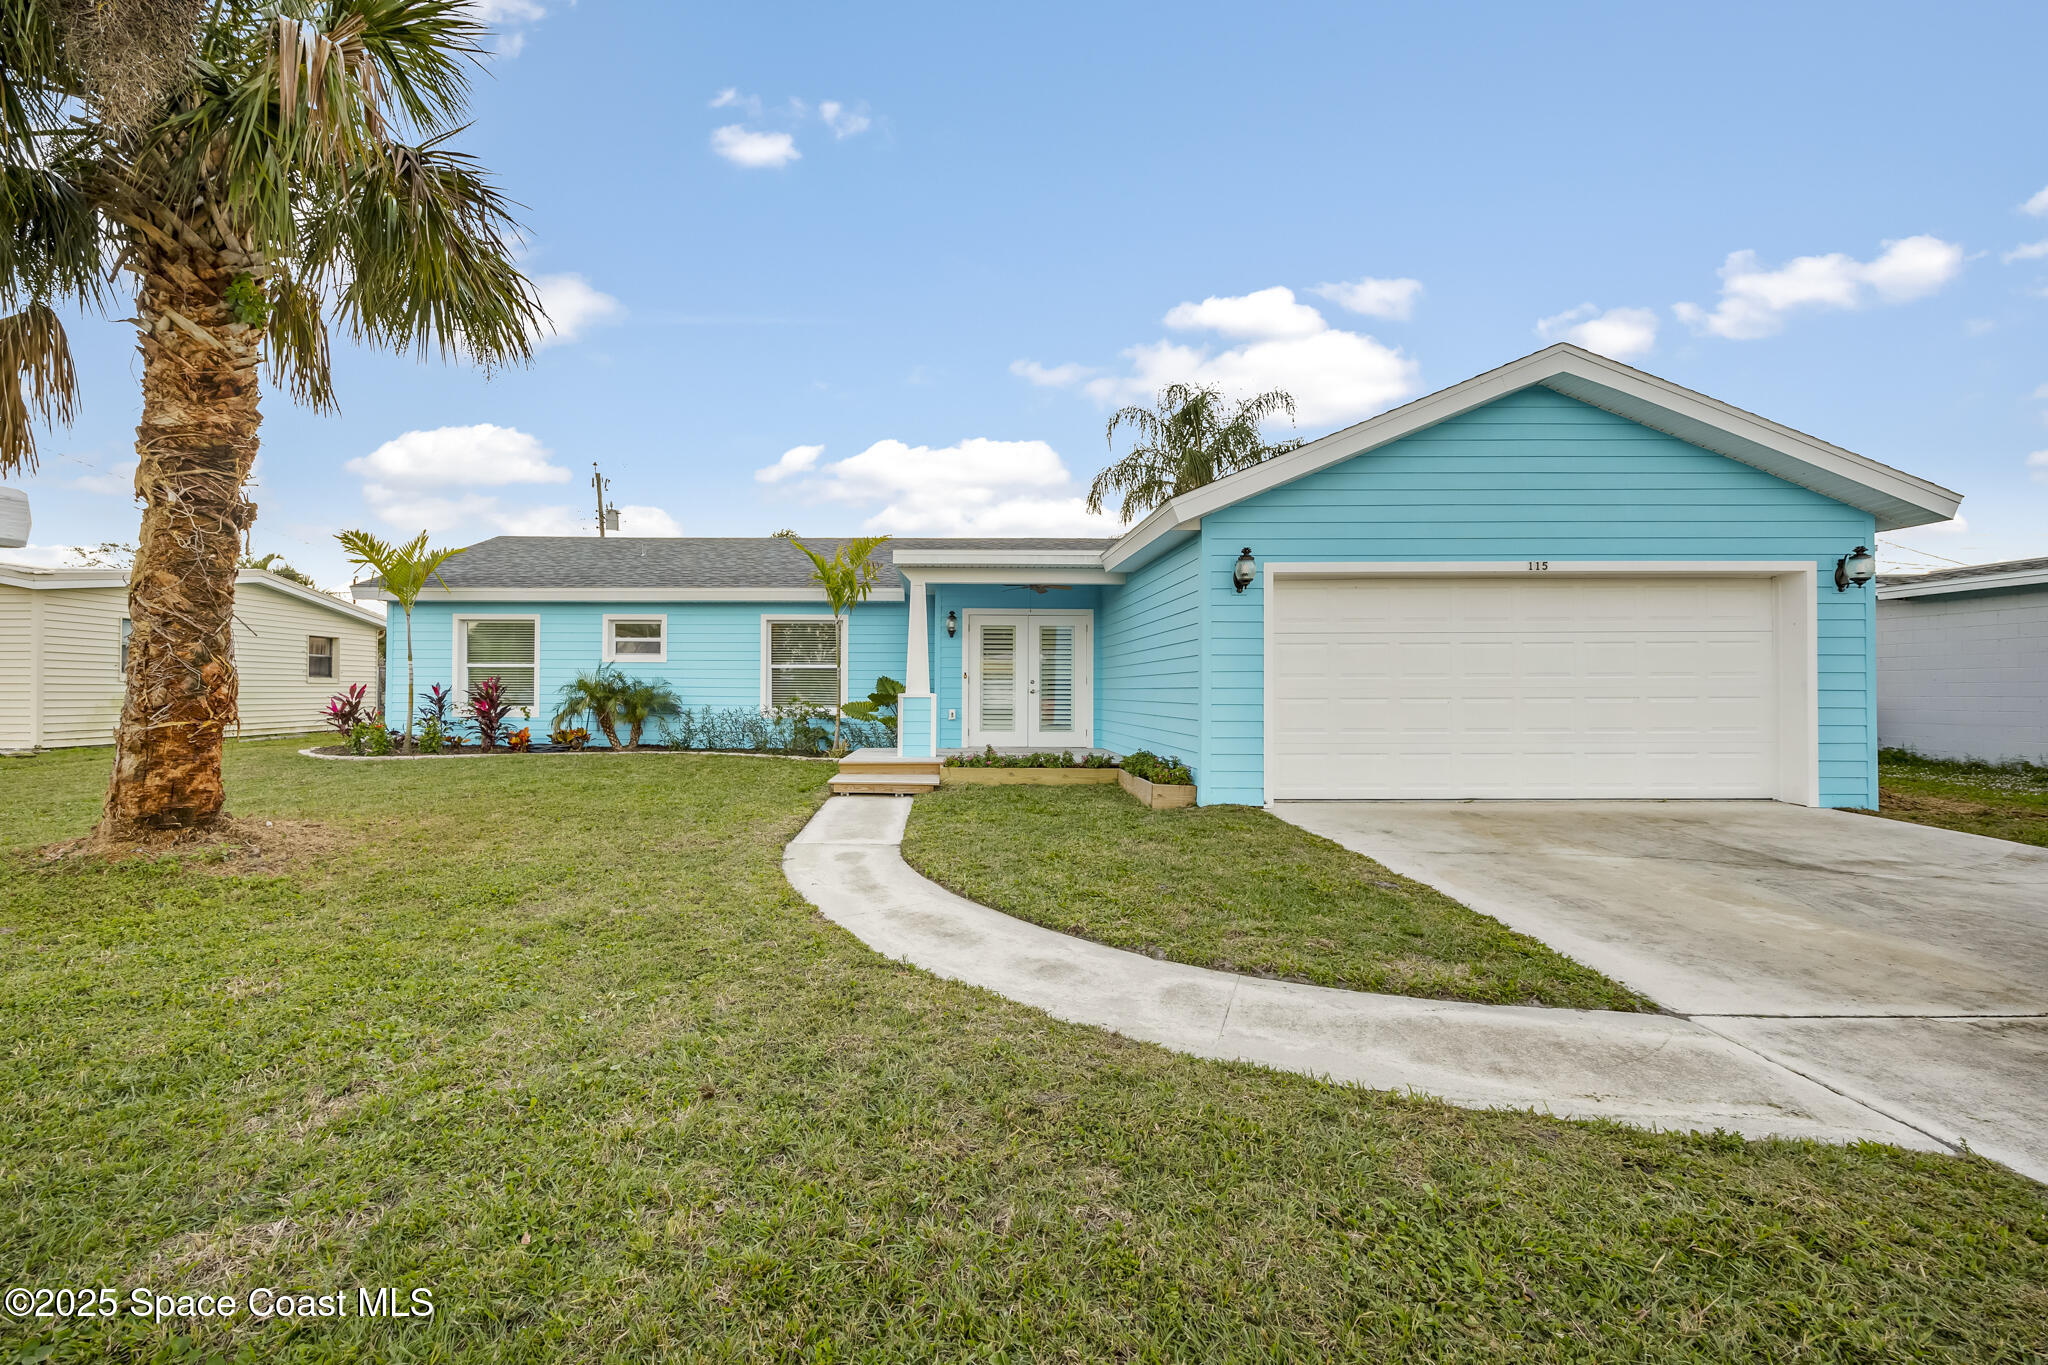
x=1170, y=772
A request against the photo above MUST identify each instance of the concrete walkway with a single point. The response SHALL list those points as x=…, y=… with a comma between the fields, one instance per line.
x=1657, y=1071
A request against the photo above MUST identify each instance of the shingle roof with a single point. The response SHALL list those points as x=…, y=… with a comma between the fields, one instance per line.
x=1967, y=571
x=680, y=561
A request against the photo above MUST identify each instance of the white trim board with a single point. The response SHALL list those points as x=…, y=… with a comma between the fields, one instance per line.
x=624, y=595
x=1797, y=625
x=43, y=580
x=1896, y=499
x=1990, y=582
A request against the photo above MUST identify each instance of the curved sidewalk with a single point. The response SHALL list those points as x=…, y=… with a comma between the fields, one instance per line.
x=1657, y=1071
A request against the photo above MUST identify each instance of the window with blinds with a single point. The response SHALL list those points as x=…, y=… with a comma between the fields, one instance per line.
x=501, y=649
x=998, y=677
x=1055, y=678
x=320, y=656
x=803, y=662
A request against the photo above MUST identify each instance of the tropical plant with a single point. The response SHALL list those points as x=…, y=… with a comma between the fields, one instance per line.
x=487, y=710
x=880, y=706
x=1191, y=437
x=595, y=694
x=344, y=709
x=641, y=701
x=847, y=577
x=434, y=706
x=520, y=740
x=566, y=737
x=274, y=563
x=260, y=169
x=403, y=572
x=432, y=740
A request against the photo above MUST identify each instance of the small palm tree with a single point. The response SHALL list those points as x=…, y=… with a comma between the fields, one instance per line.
x=261, y=168
x=595, y=694
x=1189, y=439
x=642, y=701
x=847, y=577
x=403, y=571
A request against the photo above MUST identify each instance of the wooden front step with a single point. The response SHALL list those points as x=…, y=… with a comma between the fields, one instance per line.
x=914, y=767
x=871, y=784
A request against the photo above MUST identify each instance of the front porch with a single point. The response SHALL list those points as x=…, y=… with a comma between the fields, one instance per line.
x=889, y=772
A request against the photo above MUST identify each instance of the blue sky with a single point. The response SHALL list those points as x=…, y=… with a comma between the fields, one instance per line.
x=834, y=268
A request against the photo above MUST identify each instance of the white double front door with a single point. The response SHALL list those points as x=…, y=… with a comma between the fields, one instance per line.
x=1028, y=679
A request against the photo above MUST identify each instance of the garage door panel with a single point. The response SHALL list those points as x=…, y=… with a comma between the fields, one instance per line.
x=1432, y=688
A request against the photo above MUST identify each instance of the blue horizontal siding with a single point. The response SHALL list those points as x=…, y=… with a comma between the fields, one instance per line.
x=1148, y=687
x=1534, y=475
x=714, y=648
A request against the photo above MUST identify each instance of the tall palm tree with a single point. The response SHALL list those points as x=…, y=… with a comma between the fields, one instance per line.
x=847, y=577
x=403, y=571
x=294, y=168
x=1194, y=436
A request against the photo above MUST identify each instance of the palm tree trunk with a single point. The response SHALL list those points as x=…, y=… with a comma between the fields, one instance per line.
x=196, y=442
x=408, y=678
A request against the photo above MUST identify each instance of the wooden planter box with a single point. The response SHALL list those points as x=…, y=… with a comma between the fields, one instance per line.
x=1025, y=777
x=1156, y=795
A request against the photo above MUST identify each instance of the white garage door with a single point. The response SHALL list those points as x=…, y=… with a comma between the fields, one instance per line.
x=1420, y=688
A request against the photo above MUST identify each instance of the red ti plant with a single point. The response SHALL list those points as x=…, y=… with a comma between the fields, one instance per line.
x=487, y=711
x=345, y=710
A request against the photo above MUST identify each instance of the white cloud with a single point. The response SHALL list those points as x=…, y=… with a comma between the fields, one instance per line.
x=843, y=122
x=1391, y=299
x=507, y=16
x=978, y=487
x=44, y=556
x=572, y=305
x=117, y=482
x=1334, y=375
x=1955, y=526
x=2041, y=392
x=795, y=460
x=1265, y=313
x=1618, y=332
x=1755, y=301
x=755, y=150
x=2038, y=205
x=2038, y=462
x=469, y=456
x=1051, y=376
x=635, y=520
x=2031, y=251
x=731, y=98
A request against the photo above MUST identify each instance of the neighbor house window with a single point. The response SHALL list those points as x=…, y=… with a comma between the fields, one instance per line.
x=803, y=662
x=500, y=647
x=320, y=656
x=127, y=629
x=636, y=639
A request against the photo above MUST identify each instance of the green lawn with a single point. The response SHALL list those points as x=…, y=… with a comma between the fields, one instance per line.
x=554, y=1039
x=2005, y=801
x=1234, y=888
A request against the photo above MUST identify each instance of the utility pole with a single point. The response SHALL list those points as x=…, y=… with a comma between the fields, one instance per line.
x=607, y=517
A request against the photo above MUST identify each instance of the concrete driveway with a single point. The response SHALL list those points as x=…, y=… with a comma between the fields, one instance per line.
x=1904, y=966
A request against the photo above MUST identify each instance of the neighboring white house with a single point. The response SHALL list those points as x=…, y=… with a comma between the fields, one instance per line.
x=1962, y=661
x=64, y=635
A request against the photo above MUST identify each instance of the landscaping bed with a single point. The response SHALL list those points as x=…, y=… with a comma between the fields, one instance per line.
x=1233, y=888
x=2001, y=801
x=558, y=1042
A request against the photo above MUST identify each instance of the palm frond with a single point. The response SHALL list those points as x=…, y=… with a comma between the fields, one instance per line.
x=37, y=381
x=298, y=345
x=402, y=570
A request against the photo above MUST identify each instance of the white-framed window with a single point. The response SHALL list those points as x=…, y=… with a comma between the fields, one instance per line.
x=504, y=647
x=127, y=630
x=635, y=639
x=801, y=658
x=320, y=654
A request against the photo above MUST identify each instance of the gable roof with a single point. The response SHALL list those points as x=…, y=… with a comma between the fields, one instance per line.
x=2009, y=573
x=34, y=576
x=707, y=568
x=1896, y=499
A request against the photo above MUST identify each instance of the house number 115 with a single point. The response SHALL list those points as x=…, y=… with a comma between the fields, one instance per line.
x=1538, y=565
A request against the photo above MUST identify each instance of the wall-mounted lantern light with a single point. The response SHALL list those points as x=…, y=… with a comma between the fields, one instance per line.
x=952, y=624
x=1241, y=576
x=1855, y=569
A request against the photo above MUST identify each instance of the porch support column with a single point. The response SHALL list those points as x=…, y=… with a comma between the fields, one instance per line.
x=917, y=713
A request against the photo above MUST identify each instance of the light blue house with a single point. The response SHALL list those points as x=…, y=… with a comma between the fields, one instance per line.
x=1563, y=578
